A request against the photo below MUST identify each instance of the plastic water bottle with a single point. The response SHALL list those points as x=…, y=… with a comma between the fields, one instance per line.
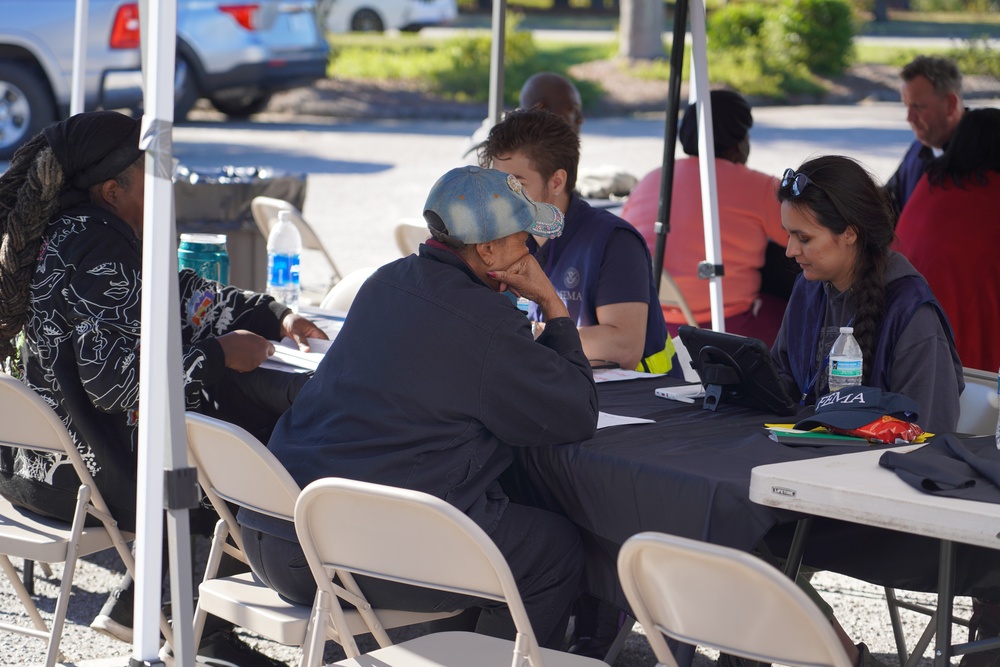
x=846, y=362
x=284, y=245
x=523, y=305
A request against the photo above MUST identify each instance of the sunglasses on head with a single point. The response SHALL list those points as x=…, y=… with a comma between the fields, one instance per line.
x=796, y=182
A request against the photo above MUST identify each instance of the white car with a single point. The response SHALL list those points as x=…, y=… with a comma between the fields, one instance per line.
x=381, y=15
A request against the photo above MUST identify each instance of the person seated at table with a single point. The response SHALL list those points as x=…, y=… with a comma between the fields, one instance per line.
x=600, y=266
x=951, y=233
x=433, y=382
x=840, y=228
x=543, y=90
x=71, y=220
x=553, y=92
x=749, y=218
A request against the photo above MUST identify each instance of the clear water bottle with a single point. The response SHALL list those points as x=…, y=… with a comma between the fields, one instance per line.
x=846, y=362
x=284, y=245
x=523, y=305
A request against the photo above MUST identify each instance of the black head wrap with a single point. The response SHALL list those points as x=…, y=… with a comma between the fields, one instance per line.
x=731, y=120
x=91, y=148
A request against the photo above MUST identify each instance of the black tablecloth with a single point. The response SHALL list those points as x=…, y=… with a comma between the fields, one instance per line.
x=689, y=474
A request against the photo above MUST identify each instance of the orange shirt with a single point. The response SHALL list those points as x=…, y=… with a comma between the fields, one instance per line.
x=749, y=216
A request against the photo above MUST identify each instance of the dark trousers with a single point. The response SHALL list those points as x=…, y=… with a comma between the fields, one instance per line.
x=543, y=550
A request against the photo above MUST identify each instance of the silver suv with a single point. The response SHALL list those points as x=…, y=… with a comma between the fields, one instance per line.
x=236, y=53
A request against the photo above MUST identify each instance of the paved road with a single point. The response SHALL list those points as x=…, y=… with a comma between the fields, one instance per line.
x=366, y=176
x=606, y=36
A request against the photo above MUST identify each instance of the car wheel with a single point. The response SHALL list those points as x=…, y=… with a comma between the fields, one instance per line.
x=25, y=106
x=366, y=20
x=242, y=106
x=185, y=89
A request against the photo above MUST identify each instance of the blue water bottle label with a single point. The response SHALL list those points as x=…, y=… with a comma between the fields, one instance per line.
x=845, y=368
x=282, y=270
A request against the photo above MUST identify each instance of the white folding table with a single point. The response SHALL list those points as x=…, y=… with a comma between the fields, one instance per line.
x=853, y=487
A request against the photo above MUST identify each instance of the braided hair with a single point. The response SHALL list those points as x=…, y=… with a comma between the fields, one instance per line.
x=846, y=196
x=62, y=166
x=29, y=198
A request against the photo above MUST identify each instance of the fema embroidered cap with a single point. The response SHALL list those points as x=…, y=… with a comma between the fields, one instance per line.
x=475, y=205
x=853, y=407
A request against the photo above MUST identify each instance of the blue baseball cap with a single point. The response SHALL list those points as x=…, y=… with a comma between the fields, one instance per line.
x=475, y=205
x=853, y=407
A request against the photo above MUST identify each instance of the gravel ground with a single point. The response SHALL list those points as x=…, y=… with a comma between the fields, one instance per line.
x=859, y=606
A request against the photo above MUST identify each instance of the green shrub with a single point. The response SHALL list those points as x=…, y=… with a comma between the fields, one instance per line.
x=737, y=25
x=464, y=71
x=978, y=57
x=818, y=33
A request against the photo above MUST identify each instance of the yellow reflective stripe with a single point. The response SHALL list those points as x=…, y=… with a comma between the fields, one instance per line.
x=661, y=362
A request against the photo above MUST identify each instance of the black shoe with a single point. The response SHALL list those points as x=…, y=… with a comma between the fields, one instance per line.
x=984, y=624
x=865, y=657
x=115, y=617
x=226, y=649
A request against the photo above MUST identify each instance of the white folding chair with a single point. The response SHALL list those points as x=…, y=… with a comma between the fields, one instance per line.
x=671, y=295
x=265, y=213
x=410, y=233
x=341, y=296
x=234, y=466
x=413, y=538
x=978, y=404
x=704, y=594
x=27, y=422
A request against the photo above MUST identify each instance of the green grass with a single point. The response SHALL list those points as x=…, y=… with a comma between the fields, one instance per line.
x=442, y=66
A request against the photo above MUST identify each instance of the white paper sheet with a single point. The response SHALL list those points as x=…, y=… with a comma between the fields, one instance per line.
x=618, y=374
x=605, y=420
x=289, y=358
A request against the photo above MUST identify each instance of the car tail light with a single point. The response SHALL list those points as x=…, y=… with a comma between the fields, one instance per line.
x=125, y=31
x=243, y=14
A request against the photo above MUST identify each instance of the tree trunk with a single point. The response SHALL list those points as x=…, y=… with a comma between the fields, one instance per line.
x=881, y=10
x=641, y=32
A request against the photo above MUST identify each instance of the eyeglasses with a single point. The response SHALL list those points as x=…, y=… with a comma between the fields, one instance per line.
x=796, y=183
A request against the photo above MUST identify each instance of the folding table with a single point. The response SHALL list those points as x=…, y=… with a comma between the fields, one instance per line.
x=853, y=487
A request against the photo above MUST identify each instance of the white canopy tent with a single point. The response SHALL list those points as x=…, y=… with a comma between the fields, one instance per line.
x=166, y=480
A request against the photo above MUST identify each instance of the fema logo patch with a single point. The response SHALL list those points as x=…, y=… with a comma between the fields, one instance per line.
x=571, y=278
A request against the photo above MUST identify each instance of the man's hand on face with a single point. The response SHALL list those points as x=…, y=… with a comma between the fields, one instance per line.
x=300, y=330
x=526, y=278
x=244, y=350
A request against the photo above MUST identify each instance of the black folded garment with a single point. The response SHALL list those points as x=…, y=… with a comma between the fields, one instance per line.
x=951, y=466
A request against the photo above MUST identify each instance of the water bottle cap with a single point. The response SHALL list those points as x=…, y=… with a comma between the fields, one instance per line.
x=284, y=216
x=846, y=330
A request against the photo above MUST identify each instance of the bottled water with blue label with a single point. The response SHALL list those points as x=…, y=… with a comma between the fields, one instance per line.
x=846, y=362
x=284, y=245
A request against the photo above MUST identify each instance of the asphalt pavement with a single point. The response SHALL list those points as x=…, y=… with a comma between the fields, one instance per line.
x=366, y=176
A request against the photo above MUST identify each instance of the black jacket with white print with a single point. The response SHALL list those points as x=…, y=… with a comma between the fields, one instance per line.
x=81, y=355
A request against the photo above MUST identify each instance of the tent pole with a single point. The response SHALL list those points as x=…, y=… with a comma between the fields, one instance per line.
x=76, y=98
x=711, y=268
x=165, y=479
x=662, y=226
x=499, y=32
